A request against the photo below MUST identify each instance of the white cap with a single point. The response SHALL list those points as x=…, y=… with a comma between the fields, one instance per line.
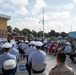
x=13, y=43
x=38, y=43
x=32, y=42
x=67, y=43
x=9, y=64
x=22, y=41
x=26, y=41
x=7, y=45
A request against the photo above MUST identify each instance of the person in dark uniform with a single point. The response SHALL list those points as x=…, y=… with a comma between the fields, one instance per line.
x=61, y=68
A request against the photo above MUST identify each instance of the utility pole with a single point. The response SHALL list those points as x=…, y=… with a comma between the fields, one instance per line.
x=43, y=23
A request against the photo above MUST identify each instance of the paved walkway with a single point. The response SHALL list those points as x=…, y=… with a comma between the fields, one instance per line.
x=51, y=62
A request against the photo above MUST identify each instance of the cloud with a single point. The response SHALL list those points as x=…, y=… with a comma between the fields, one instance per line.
x=38, y=6
x=52, y=21
x=60, y=7
x=68, y=6
x=1, y=1
x=28, y=14
x=30, y=25
x=63, y=15
x=20, y=2
x=8, y=6
x=18, y=7
x=22, y=11
x=74, y=1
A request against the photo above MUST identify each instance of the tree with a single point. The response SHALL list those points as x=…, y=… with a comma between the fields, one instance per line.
x=16, y=30
x=34, y=33
x=25, y=31
x=14, y=34
x=46, y=34
x=63, y=34
x=40, y=34
x=57, y=34
x=9, y=28
x=52, y=33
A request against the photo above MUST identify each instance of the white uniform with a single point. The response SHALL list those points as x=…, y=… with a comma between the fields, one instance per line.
x=68, y=49
x=23, y=46
x=14, y=51
x=30, y=50
x=37, y=57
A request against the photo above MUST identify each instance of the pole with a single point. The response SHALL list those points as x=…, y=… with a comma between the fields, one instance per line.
x=43, y=22
x=59, y=28
x=71, y=28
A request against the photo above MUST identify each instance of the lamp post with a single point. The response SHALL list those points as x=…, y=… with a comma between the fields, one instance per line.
x=40, y=31
x=43, y=23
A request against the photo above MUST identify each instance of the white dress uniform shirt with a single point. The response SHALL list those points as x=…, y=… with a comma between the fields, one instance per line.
x=30, y=50
x=14, y=51
x=68, y=49
x=37, y=57
x=5, y=56
x=23, y=45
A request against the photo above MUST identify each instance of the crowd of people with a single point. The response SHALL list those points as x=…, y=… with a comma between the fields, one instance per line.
x=35, y=52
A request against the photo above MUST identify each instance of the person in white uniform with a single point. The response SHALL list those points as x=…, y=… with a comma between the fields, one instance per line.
x=22, y=46
x=6, y=55
x=68, y=48
x=36, y=57
x=31, y=49
x=13, y=50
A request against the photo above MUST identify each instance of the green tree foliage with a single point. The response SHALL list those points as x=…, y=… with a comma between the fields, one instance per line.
x=15, y=34
x=40, y=34
x=9, y=34
x=16, y=30
x=63, y=34
x=34, y=33
x=57, y=34
x=52, y=33
x=9, y=28
x=25, y=31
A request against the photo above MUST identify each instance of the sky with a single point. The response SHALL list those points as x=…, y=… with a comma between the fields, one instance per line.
x=59, y=15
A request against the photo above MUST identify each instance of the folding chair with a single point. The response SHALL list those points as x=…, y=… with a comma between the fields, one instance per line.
x=39, y=69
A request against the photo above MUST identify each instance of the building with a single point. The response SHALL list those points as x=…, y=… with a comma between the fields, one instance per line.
x=72, y=34
x=3, y=25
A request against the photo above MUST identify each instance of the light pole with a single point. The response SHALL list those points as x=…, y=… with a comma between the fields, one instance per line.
x=40, y=31
x=43, y=23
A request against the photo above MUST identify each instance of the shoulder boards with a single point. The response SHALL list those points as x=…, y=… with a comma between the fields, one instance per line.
x=54, y=67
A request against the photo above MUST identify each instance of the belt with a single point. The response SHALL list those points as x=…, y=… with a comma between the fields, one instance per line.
x=36, y=72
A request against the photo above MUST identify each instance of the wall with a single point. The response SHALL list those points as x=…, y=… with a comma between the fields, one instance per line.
x=3, y=27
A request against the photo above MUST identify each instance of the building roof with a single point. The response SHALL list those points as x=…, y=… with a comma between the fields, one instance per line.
x=5, y=16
